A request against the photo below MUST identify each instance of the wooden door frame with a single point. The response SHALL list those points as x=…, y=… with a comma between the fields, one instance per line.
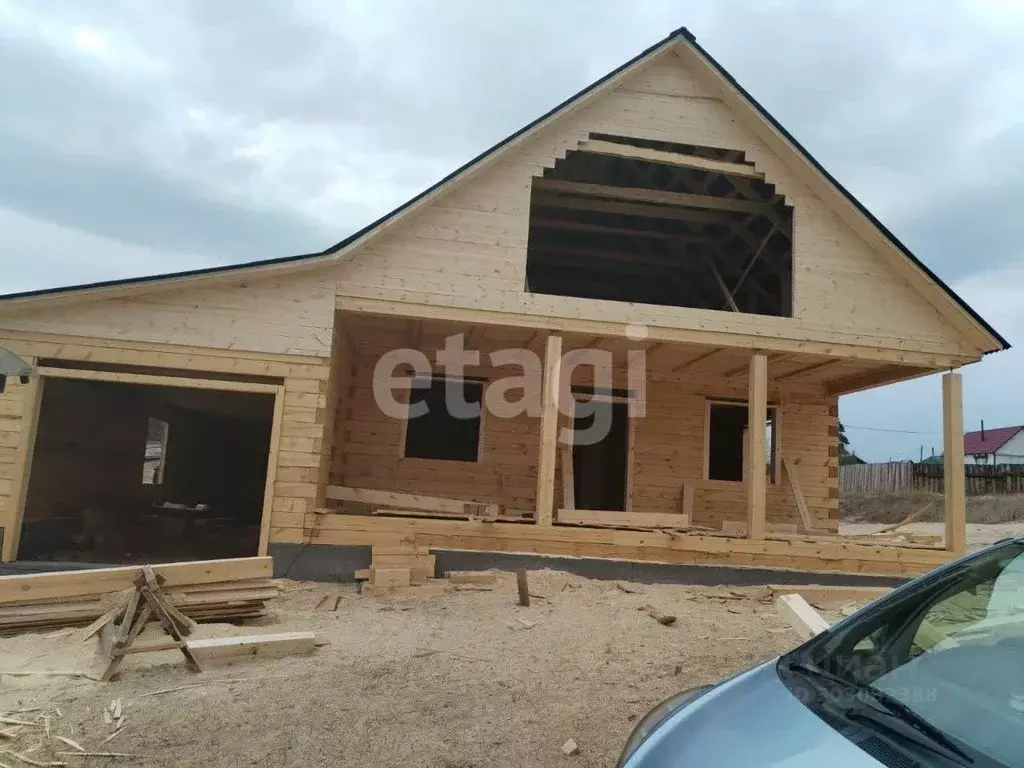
x=23, y=462
x=630, y=438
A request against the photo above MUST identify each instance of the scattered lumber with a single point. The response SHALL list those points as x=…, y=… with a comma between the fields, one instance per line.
x=806, y=621
x=210, y=590
x=484, y=578
x=397, y=569
x=276, y=644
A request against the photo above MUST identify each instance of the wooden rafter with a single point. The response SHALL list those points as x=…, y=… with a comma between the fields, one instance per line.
x=540, y=222
x=697, y=360
x=730, y=301
x=807, y=369
x=613, y=149
x=640, y=194
x=629, y=208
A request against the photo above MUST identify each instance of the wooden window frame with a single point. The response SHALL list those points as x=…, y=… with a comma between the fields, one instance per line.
x=406, y=387
x=775, y=411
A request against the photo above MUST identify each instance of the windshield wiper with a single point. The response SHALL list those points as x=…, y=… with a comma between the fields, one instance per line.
x=896, y=717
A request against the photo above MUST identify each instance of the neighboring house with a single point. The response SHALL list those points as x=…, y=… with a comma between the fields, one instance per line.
x=661, y=219
x=1002, y=445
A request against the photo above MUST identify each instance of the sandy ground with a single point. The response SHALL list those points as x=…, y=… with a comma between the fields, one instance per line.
x=978, y=534
x=468, y=679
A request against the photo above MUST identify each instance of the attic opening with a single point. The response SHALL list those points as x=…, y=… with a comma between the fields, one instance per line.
x=632, y=220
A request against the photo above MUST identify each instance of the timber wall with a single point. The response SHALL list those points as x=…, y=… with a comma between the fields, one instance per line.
x=668, y=450
x=467, y=249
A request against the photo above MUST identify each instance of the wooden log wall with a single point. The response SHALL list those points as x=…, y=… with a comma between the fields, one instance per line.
x=668, y=450
x=305, y=380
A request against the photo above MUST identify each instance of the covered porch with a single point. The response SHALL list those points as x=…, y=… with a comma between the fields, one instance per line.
x=679, y=478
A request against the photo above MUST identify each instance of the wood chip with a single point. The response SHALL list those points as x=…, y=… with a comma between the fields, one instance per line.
x=15, y=721
x=571, y=747
x=111, y=736
x=115, y=709
x=664, y=619
x=106, y=717
x=22, y=757
x=626, y=589
x=71, y=743
x=526, y=623
x=99, y=754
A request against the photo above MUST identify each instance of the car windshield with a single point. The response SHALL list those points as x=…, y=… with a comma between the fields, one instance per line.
x=950, y=649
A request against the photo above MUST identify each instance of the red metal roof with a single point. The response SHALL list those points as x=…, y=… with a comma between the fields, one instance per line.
x=994, y=439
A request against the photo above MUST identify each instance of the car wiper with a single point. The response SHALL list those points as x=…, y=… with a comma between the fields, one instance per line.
x=896, y=717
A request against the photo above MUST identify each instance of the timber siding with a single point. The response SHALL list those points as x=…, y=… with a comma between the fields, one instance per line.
x=467, y=249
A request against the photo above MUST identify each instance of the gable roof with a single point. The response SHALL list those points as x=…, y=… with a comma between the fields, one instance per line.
x=680, y=36
x=989, y=440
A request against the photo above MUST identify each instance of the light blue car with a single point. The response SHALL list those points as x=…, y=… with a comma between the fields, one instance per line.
x=932, y=674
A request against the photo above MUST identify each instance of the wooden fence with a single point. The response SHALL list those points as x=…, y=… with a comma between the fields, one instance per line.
x=895, y=476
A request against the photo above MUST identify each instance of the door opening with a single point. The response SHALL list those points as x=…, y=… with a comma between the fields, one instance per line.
x=601, y=466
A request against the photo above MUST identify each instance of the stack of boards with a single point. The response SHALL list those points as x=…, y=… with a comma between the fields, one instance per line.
x=397, y=569
x=206, y=590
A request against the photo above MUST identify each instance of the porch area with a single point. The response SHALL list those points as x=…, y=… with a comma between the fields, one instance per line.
x=676, y=475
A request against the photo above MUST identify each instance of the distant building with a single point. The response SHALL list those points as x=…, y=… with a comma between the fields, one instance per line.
x=1002, y=445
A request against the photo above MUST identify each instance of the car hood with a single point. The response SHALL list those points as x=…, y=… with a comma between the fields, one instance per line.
x=750, y=721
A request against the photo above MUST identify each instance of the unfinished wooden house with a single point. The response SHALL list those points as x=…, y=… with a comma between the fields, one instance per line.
x=660, y=221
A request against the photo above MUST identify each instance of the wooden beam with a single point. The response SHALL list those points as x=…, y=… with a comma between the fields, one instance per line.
x=643, y=195
x=617, y=519
x=806, y=621
x=613, y=149
x=751, y=263
x=953, y=461
x=808, y=369
x=885, y=375
x=721, y=284
x=158, y=381
x=270, y=483
x=757, y=416
x=568, y=477
x=798, y=494
x=540, y=222
x=625, y=208
x=277, y=644
x=741, y=369
x=547, y=457
x=697, y=360
x=22, y=470
x=397, y=500
x=677, y=325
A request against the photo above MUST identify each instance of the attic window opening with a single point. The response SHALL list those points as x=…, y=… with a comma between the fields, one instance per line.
x=661, y=223
x=437, y=428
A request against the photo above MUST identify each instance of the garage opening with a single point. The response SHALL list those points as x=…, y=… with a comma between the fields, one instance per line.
x=634, y=220
x=126, y=473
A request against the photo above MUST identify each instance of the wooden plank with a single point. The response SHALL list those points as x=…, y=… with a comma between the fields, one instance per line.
x=390, y=577
x=46, y=586
x=798, y=494
x=568, y=477
x=670, y=158
x=547, y=457
x=953, y=460
x=622, y=519
x=277, y=644
x=757, y=417
x=32, y=402
x=272, y=462
x=805, y=621
x=643, y=195
x=830, y=594
x=398, y=500
x=158, y=381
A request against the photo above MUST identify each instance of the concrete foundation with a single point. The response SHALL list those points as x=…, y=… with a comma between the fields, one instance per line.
x=320, y=562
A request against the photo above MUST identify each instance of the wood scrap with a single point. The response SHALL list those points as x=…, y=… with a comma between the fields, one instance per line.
x=804, y=620
x=472, y=577
x=571, y=747
x=665, y=619
x=628, y=590
x=524, y=589
x=913, y=516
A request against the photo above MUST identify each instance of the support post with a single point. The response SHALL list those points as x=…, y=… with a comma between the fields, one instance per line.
x=547, y=458
x=757, y=417
x=953, y=455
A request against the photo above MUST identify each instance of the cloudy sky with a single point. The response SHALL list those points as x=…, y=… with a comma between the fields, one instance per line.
x=140, y=137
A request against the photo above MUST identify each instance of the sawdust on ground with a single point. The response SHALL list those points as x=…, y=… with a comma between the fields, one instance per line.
x=468, y=679
x=979, y=535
